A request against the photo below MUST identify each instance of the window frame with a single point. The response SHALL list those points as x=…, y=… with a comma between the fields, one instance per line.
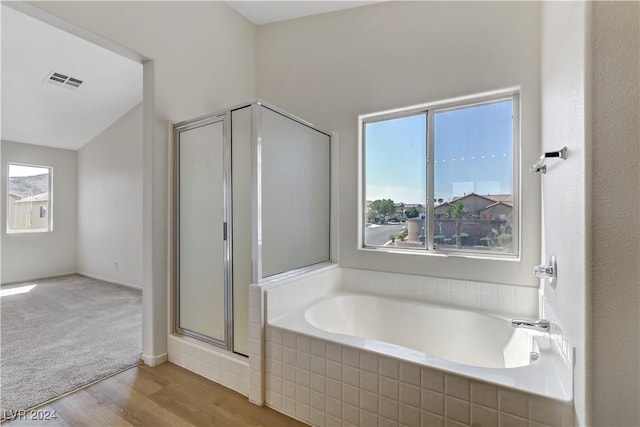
x=429, y=110
x=49, y=208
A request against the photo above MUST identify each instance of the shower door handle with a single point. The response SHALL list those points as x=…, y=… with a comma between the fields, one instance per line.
x=224, y=231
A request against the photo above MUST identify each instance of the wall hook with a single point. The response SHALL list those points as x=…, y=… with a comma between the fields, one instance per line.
x=540, y=166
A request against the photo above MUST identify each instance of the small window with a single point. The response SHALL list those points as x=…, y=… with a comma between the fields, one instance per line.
x=442, y=177
x=29, y=198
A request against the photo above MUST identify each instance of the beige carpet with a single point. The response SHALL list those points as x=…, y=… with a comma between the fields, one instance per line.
x=62, y=334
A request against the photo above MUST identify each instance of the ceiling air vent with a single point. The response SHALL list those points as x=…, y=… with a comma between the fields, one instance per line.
x=64, y=80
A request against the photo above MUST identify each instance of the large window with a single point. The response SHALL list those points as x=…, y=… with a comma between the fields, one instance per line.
x=28, y=198
x=442, y=177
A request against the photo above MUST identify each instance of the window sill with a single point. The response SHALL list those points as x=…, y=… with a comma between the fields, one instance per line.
x=36, y=231
x=443, y=254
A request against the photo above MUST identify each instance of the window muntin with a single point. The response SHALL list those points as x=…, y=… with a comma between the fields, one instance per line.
x=28, y=198
x=446, y=183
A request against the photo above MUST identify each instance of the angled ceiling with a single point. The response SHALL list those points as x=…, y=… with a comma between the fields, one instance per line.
x=39, y=111
x=265, y=12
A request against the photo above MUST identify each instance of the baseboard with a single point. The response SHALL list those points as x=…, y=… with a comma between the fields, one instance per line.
x=58, y=275
x=154, y=360
x=33, y=279
x=105, y=279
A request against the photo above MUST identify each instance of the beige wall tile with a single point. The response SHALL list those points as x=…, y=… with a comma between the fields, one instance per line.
x=351, y=376
x=334, y=408
x=303, y=412
x=318, y=383
x=369, y=362
x=303, y=360
x=367, y=419
x=451, y=423
x=432, y=380
x=383, y=422
x=351, y=414
x=431, y=420
x=507, y=420
x=369, y=382
x=457, y=410
x=546, y=411
x=303, y=395
x=319, y=348
x=482, y=416
x=456, y=386
x=317, y=417
x=389, y=408
x=351, y=395
x=484, y=394
x=389, y=368
x=410, y=374
x=433, y=402
x=334, y=389
x=334, y=370
x=333, y=421
x=303, y=378
x=303, y=343
x=410, y=395
x=289, y=406
x=318, y=401
x=351, y=357
x=334, y=352
x=513, y=402
x=318, y=365
x=389, y=388
x=369, y=401
x=409, y=416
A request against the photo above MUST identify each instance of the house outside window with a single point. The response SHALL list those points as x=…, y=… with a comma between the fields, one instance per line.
x=28, y=198
x=442, y=177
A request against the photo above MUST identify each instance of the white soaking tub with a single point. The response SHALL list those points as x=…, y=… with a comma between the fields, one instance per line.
x=464, y=337
x=468, y=343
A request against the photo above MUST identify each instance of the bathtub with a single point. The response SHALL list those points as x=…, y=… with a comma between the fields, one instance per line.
x=467, y=343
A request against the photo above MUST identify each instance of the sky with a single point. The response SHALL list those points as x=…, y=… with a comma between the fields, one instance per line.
x=19, y=170
x=473, y=152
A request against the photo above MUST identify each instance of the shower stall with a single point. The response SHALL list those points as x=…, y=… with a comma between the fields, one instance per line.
x=251, y=188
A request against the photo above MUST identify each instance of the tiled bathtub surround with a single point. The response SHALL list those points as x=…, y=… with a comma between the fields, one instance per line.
x=327, y=384
x=490, y=297
x=217, y=365
x=285, y=293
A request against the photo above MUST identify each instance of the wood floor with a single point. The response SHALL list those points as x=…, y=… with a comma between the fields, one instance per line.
x=166, y=395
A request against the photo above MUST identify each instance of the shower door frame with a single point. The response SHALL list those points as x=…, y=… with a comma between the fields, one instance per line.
x=224, y=117
x=256, y=214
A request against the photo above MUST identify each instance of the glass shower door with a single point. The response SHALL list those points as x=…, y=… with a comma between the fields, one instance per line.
x=202, y=246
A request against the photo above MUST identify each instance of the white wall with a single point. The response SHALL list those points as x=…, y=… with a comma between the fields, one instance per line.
x=203, y=57
x=330, y=68
x=565, y=186
x=110, y=202
x=615, y=269
x=591, y=103
x=36, y=255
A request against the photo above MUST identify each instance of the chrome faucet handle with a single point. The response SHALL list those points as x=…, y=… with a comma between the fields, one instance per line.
x=543, y=271
x=549, y=271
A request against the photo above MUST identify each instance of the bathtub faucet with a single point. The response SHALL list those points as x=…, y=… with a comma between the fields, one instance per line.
x=541, y=325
